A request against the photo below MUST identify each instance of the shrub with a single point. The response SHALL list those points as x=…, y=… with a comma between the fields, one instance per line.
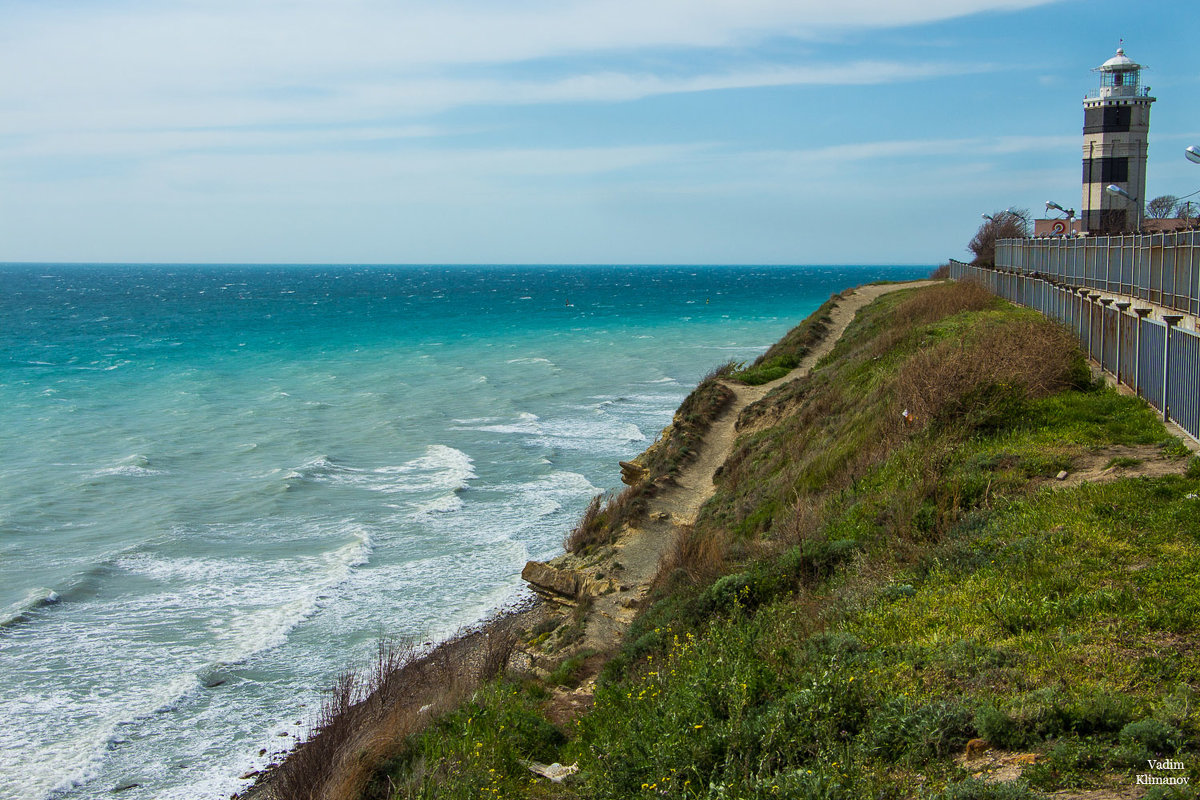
x=1158, y=738
x=1071, y=763
x=983, y=382
x=978, y=790
x=1000, y=729
x=567, y=672
x=899, y=732
x=1099, y=712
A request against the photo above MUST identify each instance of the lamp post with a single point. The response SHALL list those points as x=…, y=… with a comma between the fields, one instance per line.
x=1051, y=205
x=1192, y=153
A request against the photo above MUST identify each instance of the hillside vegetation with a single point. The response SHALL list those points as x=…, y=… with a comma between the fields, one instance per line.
x=888, y=577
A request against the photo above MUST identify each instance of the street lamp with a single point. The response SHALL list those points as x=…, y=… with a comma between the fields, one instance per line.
x=1192, y=154
x=1070, y=212
x=1113, y=189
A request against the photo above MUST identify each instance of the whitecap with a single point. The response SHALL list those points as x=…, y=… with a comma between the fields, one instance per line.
x=34, y=599
x=446, y=504
x=441, y=468
x=135, y=466
x=526, y=423
x=531, y=360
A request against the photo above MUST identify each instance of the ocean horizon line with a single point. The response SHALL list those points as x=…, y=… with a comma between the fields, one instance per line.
x=456, y=264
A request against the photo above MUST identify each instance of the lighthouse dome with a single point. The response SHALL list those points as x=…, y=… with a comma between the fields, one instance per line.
x=1120, y=63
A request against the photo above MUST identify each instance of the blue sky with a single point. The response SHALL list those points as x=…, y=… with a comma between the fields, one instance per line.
x=573, y=131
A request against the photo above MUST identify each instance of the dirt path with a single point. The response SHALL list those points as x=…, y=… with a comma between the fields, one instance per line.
x=639, y=550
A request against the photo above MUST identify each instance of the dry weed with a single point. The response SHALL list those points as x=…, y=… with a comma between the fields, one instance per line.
x=978, y=379
x=697, y=557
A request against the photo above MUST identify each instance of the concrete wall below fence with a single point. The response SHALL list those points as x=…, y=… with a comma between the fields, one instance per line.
x=1156, y=358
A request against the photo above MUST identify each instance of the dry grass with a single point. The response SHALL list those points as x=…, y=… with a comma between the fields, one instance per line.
x=982, y=379
x=932, y=304
x=602, y=519
x=370, y=711
x=591, y=529
x=696, y=558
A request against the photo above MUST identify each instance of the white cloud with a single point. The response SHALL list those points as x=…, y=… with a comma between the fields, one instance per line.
x=141, y=64
x=235, y=128
x=288, y=38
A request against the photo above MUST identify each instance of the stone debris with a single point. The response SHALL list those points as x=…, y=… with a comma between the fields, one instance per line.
x=1062, y=475
x=975, y=749
x=555, y=772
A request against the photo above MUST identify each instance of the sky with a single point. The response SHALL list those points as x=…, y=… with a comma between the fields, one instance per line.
x=571, y=131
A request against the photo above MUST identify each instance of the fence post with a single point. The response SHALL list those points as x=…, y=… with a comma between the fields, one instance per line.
x=1142, y=313
x=1172, y=320
x=1091, y=298
x=1105, y=303
x=1122, y=307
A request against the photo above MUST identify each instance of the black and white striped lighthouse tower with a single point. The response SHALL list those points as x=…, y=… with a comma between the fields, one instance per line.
x=1116, y=126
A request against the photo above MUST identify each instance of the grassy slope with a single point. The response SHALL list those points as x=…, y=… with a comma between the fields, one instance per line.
x=865, y=596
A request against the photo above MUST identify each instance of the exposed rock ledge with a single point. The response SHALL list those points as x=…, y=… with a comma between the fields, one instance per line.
x=552, y=583
x=632, y=472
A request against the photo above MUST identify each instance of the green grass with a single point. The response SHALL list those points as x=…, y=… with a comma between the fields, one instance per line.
x=786, y=354
x=890, y=593
x=1065, y=624
x=479, y=750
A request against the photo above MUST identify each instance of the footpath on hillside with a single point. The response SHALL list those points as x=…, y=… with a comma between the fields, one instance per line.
x=633, y=561
x=339, y=759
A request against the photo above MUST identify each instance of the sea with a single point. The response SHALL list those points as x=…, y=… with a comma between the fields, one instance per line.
x=222, y=485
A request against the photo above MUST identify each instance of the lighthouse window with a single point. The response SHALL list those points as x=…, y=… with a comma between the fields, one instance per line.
x=1118, y=79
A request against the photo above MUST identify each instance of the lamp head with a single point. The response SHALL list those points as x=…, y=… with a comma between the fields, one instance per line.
x=1192, y=154
x=1113, y=189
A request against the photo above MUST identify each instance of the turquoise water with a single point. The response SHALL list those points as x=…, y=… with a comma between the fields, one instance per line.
x=221, y=485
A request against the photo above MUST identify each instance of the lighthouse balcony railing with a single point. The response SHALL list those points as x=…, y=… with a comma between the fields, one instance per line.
x=1110, y=92
x=1160, y=268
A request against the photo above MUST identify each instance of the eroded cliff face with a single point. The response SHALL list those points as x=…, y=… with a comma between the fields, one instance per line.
x=637, y=469
x=574, y=578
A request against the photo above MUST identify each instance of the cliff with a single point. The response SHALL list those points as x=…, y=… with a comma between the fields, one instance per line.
x=916, y=550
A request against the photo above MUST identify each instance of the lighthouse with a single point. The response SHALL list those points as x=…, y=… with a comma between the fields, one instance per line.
x=1116, y=126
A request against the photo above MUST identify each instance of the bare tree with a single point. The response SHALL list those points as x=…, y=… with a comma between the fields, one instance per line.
x=1187, y=210
x=1012, y=223
x=1162, y=206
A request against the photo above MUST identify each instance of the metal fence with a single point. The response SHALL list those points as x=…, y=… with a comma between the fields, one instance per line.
x=1161, y=268
x=1158, y=360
